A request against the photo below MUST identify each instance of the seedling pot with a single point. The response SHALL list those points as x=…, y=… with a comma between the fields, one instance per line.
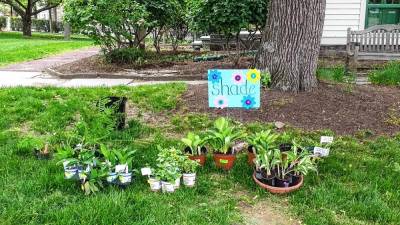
x=167, y=187
x=177, y=183
x=189, y=179
x=285, y=147
x=225, y=162
x=125, y=178
x=155, y=185
x=278, y=190
x=112, y=178
x=282, y=183
x=70, y=173
x=201, y=159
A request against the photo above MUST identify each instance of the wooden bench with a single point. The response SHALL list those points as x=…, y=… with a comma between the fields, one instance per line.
x=379, y=42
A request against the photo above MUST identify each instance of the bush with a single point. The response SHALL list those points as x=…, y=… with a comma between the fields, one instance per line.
x=3, y=22
x=125, y=55
x=112, y=24
x=41, y=25
x=388, y=75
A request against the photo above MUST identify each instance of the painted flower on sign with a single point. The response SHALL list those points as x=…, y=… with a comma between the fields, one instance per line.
x=221, y=102
x=214, y=76
x=253, y=75
x=238, y=78
x=248, y=102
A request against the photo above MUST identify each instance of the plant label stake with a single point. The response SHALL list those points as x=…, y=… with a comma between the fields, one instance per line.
x=326, y=140
x=146, y=171
x=121, y=168
x=322, y=152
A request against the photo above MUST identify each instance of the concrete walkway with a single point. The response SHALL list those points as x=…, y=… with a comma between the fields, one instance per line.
x=52, y=61
x=38, y=79
x=30, y=74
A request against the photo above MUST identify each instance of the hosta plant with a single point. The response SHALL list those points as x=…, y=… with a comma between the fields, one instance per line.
x=223, y=135
x=194, y=142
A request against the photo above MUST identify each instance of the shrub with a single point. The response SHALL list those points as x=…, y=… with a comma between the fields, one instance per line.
x=125, y=55
x=112, y=24
x=3, y=22
x=388, y=75
x=337, y=74
x=41, y=25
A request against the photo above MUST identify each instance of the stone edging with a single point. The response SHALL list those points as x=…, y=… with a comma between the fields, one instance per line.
x=167, y=77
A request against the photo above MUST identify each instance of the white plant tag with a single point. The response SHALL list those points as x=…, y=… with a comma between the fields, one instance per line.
x=326, y=140
x=121, y=168
x=322, y=152
x=146, y=171
x=65, y=164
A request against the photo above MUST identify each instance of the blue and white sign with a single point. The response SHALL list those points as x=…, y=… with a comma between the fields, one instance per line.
x=234, y=88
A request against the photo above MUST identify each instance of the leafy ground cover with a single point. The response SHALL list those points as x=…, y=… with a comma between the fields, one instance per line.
x=357, y=184
x=386, y=75
x=15, y=48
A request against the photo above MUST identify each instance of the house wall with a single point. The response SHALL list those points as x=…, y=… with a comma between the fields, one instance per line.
x=340, y=15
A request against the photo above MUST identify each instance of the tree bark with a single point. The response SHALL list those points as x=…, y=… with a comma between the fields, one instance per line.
x=51, y=21
x=291, y=43
x=27, y=25
x=67, y=31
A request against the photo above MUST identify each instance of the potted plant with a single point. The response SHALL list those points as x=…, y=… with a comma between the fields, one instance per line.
x=189, y=172
x=154, y=181
x=67, y=156
x=110, y=161
x=222, y=139
x=194, y=146
x=123, y=163
x=168, y=174
x=264, y=139
x=266, y=161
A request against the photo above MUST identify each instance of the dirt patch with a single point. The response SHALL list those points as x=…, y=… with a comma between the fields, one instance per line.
x=96, y=65
x=339, y=108
x=265, y=213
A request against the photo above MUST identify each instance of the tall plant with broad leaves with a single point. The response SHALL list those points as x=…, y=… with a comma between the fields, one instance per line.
x=194, y=142
x=223, y=135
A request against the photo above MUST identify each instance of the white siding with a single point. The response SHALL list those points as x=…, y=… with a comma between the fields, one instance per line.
x=340, y=15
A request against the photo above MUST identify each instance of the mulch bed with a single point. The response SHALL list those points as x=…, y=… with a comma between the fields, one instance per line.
x=96, y=64
x=330, y=106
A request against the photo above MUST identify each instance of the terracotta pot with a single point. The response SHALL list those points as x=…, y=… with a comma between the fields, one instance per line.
x=250, y=158
x=199, y=158
x=223, y=161
x=278, y=190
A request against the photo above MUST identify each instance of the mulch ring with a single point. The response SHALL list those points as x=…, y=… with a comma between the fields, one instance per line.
x=330, y=106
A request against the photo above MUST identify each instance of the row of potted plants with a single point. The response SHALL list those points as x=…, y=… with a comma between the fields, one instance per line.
x=95, y=166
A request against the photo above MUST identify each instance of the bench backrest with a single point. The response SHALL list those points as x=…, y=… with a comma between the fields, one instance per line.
x=380, y=38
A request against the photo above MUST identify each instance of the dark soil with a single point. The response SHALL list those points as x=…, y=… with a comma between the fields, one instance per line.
x=96, y=64
x=339, y=108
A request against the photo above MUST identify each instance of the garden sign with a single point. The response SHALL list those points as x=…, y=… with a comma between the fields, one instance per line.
x=234, y=88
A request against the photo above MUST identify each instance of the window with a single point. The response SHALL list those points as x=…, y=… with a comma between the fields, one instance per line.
x=383, y=12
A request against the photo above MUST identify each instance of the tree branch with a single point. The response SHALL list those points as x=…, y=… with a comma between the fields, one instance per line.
x=17, y=7
x=44, y=9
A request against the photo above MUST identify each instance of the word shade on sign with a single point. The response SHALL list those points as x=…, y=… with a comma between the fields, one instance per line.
x=234, y=89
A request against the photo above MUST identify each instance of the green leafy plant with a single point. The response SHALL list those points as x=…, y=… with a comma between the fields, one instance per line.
x=223, y=136
x=169, y=164
x=388, y=75
x=267, y=160
x=194, y=142
x=263, y=140
x=29, y=144
x=189, y=166
x=124, y=156
x=265, y=79
x=93, y=180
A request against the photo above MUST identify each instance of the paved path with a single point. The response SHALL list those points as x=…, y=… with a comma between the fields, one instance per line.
x=52, y=61
x=38, y=79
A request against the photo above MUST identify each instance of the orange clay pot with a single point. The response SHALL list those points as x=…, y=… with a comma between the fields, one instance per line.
x=201, y=159
x=250, y=158
x=225, y=162
x=278, y=190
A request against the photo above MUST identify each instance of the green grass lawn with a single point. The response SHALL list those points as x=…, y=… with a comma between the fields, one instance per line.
x=15, y=48
x=357, y=184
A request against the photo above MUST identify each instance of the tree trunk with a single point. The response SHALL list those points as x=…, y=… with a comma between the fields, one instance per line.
x=27, y=25
x=67, y=31
x=51, y=21
x=291, y=43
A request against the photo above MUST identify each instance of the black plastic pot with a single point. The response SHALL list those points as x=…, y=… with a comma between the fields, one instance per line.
x=282, y=183
x=295, y=180
x=250, y=149
x=285, y=147
x=188, y=150
x=119, y=106
x=259, y=175
x=269, y=180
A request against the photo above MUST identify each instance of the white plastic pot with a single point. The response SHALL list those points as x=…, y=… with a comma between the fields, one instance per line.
x=155, y=185
x=167, y=187
x=177, y=183
x=111, y=178
x=125, y=178
x=70, y=173
x=81, y=175
x=189, y=179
